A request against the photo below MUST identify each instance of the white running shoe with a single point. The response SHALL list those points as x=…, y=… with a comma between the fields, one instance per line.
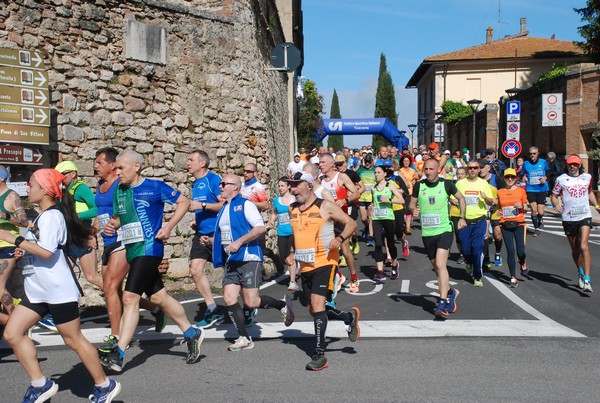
x=242, y=343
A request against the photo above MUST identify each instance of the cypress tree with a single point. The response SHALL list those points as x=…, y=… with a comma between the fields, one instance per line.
x=337, y=141
x=385, y=101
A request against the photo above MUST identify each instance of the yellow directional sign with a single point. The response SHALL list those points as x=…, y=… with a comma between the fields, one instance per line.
x=23, y=76
x=21, y=58
x=24, y=114
x=24, y=96
x=24, y=134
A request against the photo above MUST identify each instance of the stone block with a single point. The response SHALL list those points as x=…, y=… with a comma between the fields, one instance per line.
x=133, y=104
x=182, y=121
x=124, y=79
x=101, y=117
x=122, y=118
x=69, y=102
x=135, y=133
x=144, y=148
x=179, y=267
x=72, y=133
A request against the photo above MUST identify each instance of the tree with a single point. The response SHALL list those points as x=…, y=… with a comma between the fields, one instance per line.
x=337, y=141
x=310, y=109
x=455, y=111
x=385, y=101
x=590, y=15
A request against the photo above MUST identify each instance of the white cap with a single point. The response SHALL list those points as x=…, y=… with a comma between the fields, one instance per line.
x=300, y=177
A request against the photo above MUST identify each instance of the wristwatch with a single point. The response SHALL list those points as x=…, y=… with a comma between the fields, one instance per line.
x=203, y=206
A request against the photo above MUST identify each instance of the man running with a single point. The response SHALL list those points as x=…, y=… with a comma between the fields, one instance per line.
x=535, y=174
x=138, y=210
x=575, y=189
x=206, y=202
x=430, y=201
x=316, y=249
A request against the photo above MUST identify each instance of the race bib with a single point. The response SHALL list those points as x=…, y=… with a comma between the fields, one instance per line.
x=305, y=255
x=333, y=193
x=283, y=218
x=226, y=237
x=472, y=200
x=27, y=263
x=579, y=210
x=509, y=212
x=535, y=180
x=369, y=187
x=132, y=233
x=380, y=212
x=430, y=220
x=103, y=219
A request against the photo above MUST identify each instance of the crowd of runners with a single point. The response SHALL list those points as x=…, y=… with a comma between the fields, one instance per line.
x=324, y=195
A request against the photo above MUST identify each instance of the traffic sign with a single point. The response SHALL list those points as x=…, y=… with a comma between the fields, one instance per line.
x=513, y=111
x=24, y=96
x=25, y=77
x=286, y=57
x=14, y=133
x=21, y=155
x=552, y=110
x=513, y=130
x=21, y=58
x=511, y=148
x=24, y=114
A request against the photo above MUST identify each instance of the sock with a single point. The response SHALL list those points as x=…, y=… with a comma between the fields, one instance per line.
x=320, y=319
x=535, y=221
x=211, y=307
x=586, y=278
x=267, y=302
x=38, y=383
x=580, y=270
x=156, y=309
x=104, y=384
x=190, y=332
x=334, y=313
x=121, y=352
x=236, y=314
x=498, y=244
x=540, y=219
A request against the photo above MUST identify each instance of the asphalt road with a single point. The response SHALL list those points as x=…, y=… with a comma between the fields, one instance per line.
x=538, y=342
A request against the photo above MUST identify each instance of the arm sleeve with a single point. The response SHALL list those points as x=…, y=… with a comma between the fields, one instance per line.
x=84, y=194
x=451, y=188
x=416, y=188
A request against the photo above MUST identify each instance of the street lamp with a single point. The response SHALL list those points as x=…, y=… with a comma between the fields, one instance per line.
x=474, y=104
x=412, y=128
x=513, y=92
x=422, y=121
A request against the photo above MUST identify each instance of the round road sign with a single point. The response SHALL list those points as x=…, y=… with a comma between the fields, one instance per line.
x=511, y=148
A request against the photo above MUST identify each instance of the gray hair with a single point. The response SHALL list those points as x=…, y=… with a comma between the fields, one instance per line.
x=552, y=155
x=132, y=156
x=202, y=156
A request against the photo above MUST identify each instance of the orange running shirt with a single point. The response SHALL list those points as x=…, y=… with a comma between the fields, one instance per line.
x=506, y=201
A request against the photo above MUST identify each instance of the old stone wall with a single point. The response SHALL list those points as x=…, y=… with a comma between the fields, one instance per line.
x=212, y=93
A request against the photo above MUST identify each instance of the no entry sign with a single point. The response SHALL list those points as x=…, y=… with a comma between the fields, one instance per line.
x=511, y=148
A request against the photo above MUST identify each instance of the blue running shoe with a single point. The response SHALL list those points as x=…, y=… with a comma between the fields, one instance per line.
x=250, y=314
x=41, y=394
x=498, y=260
x=107, y=394
x=211, y=318
x=48, y=322
x=370, y=242
x=452, y=295
x=441, y=310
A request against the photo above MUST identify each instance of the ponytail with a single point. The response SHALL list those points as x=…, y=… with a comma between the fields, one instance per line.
x=78, y=231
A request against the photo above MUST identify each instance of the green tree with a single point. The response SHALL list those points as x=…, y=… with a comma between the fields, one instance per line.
x=590, y=31
x=310, y=109
x=385, y=101
x=337, y=142
x=455, y=111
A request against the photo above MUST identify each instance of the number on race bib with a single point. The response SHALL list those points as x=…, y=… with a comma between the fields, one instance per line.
x=509, y=212
x=226, y=237
x=579, y=210
x=472, y=200
x=132, y=233
x=305, y=255
x=283, y=218
x=380, y=212
x=430, y=220
x=103, y=219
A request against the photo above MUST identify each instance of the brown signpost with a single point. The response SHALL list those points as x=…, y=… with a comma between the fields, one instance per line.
x=21, y=155
x=24, y=97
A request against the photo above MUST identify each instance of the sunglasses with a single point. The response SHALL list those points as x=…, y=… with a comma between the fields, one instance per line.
x=339, y=164
x=533, y=153
x=223, y=184
x=473, y=168
x=510, y=177
x=247, y=171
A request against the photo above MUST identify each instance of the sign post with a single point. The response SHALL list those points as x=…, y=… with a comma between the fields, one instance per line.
x=513, y=130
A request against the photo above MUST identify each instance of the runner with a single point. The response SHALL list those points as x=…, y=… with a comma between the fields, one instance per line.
x=512, y=203
x=206, y=202
x=51, y=287
x=236, y=248
x=430, y=201
x=410, y=176
x=461, y=173
x=384, y=196
x=535, y=171
x=477, y=194
x=138, y=210
x=316, y=249
x=575, y=190
x=341, y=165
x=367, y=176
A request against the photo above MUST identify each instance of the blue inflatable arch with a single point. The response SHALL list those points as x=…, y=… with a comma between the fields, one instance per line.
x=364, y=126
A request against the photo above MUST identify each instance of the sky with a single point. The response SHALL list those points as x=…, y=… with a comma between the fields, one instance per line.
x=343, y=41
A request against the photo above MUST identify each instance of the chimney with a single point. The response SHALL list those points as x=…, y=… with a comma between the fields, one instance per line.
x=489, y=35
x=523, y=25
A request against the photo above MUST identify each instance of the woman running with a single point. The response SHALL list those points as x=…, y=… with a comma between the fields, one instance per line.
x=281, y=214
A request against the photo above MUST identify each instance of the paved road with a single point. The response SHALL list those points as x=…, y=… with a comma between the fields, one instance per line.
x=537, y=342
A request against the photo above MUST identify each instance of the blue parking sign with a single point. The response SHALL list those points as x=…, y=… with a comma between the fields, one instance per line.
x=513, y=111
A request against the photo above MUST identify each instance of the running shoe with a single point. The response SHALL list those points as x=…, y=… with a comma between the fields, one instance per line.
x=581, y=281
x=287, y=312
x=379, y=277
x=318, y=363
x=395, y=272
x=363, y=236
x=355, y=247
x=441, y=310
x=587, y=284
x=48, y=322
x=353, y=328
x=343, y=261
x=242, y=343
x=339, y=280
x=249, y=315
x=405, y=248
x=41, y=394
x=469, y=268
x=110, y=342
x=514, y=282
x=193, y=345
x=536, y=233
x=370, y=242
x=107, y=394
x=461, y=259
x=524, y=269
x=161, y=320
x=112, y=360
x=477, y=282
x=486, y=264
x=293, y=286
x=211, y=317
x=498, y=260
x=451, y=303
x=353, y=285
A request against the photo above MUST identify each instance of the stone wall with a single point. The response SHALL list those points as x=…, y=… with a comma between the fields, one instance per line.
x=213, y=92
